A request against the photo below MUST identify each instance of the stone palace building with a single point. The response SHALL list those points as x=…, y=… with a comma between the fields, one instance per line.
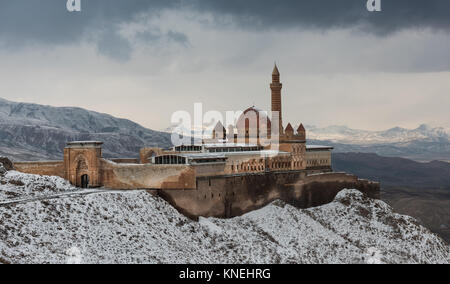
x=234, y=171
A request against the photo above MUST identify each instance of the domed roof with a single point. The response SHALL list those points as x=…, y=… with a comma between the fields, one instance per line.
x=251, y=118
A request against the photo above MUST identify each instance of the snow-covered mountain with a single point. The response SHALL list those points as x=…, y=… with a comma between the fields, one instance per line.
x=345, y=135
x=45, y=220
x=31, y=131
x=422, y=144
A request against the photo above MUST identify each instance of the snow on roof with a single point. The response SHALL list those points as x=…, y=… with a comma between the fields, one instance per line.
x=318, y=147
x=204, y=155
x=229, y=145
x=84, y=143
x=227, y=154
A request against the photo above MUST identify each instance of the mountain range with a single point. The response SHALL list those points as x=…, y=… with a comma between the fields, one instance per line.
x=33, y=132
x=424, y=144
x=346, y=135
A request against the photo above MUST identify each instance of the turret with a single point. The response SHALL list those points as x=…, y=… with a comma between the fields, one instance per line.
x=301, y=132
x=275, y=74
x=219, y=131
x=289, y=131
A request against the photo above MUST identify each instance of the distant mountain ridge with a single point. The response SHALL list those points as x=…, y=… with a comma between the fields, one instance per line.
x=32, y=131
x=346, y=135
x=425, y=143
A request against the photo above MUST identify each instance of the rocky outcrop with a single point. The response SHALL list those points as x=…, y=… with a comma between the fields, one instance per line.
x=2, y=170
x=6, y=163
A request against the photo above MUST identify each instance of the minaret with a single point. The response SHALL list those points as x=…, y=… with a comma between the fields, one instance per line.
x=276, y=95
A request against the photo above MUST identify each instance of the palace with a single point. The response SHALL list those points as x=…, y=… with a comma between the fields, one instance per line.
x=233, y=172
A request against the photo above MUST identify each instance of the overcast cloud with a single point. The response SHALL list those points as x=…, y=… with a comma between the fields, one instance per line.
x=145, y=59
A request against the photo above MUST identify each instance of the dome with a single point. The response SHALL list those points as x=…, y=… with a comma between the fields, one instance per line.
x=249, y=122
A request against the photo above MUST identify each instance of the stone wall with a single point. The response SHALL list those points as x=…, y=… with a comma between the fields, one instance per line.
x=48, y=168
x=199, y=190
x=147, y=176
x=126, y=161
x=318, y=158
x=231, y=196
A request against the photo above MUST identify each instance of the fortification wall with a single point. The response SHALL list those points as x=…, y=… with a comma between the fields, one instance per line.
x=147, y=176
x=231, y=196
x=126, y=161
x=202, y=170
x=47, y=168
x=319, y=189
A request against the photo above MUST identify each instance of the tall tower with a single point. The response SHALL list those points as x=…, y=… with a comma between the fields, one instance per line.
x=276, y=96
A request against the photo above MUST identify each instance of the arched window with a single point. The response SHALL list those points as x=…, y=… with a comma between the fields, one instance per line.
x=82, y=165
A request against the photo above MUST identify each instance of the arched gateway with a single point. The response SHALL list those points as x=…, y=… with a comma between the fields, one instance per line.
x=82, y=163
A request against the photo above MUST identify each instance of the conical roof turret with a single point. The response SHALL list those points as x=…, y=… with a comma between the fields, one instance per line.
x=275, y=70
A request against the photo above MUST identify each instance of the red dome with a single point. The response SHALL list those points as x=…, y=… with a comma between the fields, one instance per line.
x=248, y=123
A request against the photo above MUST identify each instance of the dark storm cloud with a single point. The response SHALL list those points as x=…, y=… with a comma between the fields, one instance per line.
x=46, y=21
x=25, y=22
x=325, y=14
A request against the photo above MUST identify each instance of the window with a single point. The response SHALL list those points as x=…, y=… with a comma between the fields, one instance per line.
x=170, y=160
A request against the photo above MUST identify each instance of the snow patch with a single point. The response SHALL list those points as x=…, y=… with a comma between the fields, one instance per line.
x=209, y=225
x=15, y=185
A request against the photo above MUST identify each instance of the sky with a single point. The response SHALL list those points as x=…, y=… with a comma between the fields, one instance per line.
x=146, y=59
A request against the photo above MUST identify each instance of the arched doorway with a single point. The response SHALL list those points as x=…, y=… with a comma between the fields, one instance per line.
x=82, y=172
x=84, y=181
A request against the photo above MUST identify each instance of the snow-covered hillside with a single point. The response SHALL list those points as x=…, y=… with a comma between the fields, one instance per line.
x=137, y=227
x=33, y=132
